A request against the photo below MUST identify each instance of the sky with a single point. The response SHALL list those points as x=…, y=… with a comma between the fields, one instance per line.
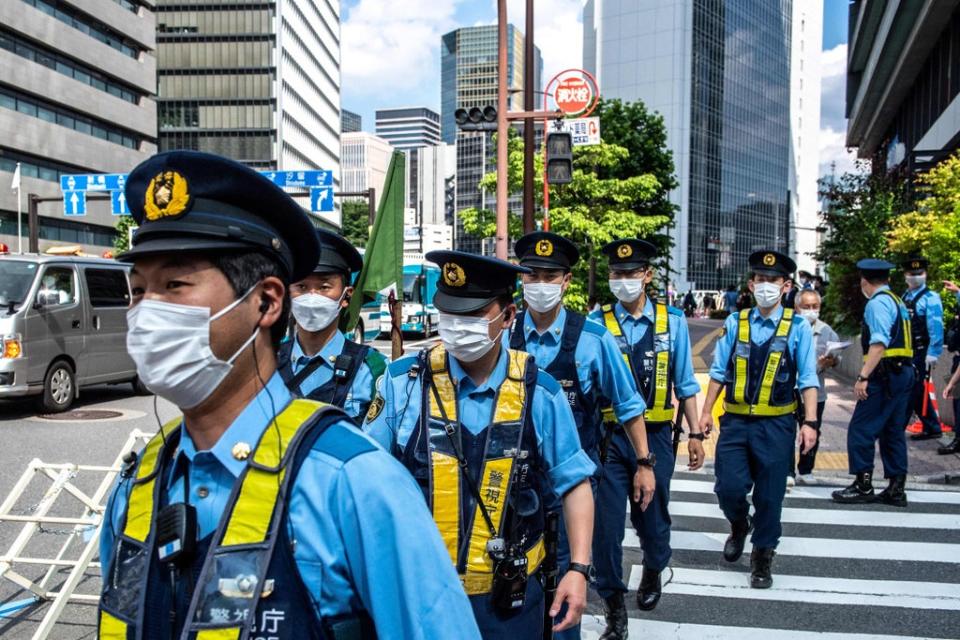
x=391, y=54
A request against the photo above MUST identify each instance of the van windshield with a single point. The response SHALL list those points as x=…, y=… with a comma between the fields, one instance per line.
x=16, y=276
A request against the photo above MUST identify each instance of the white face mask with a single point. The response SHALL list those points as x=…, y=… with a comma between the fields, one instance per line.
x=315, y=311
x=170, y=344
x=811, y=315
x=626, y=289
x=466, y=338
x=915, y=282
x=767, y=294
x=542, y=296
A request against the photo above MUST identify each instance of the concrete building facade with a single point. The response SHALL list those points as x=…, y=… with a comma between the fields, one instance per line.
x=365, y=159
x=77, y=83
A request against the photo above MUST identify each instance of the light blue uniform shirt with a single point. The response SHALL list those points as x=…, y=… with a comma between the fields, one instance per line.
x=930, y=305
x=880, y=315
x=363, y=533
x=685, y=384
x=598, y=361
x=800, y=345
x=361, y=391
x=557, y=439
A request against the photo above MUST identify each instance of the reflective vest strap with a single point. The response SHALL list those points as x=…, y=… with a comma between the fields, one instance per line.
x=232, y=633
x=512, y=393
x=742, y=361
x=773, y=360
x=494, y=489
x=140, y=510
x=481, y=583
x=445, y=500
x=111, y=628
x=443, y=385
x=659, y=411
x=256, y=501
x=759, y=410
x=613, y=326
x=907, y=350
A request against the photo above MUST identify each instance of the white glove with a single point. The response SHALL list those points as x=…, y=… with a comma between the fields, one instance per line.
x=932, y=360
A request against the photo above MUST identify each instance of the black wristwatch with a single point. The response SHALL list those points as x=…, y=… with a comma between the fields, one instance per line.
x=650, y=461
x=585, y=569
x=810, y=423
x=862, y=379
x=695, y=436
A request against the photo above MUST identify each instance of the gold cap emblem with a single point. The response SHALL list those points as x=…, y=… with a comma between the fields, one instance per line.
x=916, y=264
x=769, y=259
x=240, y=451
x=544, y=248
x=624, y=251
x=167, y=196
x=453, y=275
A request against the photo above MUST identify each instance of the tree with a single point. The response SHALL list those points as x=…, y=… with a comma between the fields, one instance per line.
x=356, y=222
x=122, y=240
x=860, y=210
x=933, y=227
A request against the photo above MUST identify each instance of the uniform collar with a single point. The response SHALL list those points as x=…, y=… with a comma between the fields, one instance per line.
x=246, y=428
x=773, y=318
x=329, y=352
x=883, y=287
x=624, y=316
x=553, y=332
x=493, y=382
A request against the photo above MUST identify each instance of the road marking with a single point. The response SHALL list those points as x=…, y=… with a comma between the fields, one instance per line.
x=817, y=547
x=822, y=493
x=699, y=363
x=594, y=625
x=817, y=590
x=855, y=518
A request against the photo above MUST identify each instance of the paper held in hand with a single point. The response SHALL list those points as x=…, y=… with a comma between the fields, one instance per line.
x=834, y=348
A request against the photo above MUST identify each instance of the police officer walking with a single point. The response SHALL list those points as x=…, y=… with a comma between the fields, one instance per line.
x=255, y=514
x=882, y=389
x=654, y=340
x=584, y=359
x=318, y=362
x=926, y=320
x=763, y=356
x=489, y=437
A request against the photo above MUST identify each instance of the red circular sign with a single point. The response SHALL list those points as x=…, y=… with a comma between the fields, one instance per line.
x=573, y=95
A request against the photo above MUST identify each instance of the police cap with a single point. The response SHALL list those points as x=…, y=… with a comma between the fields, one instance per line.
x=627, y=254
x=337, y=255
x=546, y=250
x=771, y=263
x=469, y=282
x=915, y=263
x=874, y=268
x=187, y=201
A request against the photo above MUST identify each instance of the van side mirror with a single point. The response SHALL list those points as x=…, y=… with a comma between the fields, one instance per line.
x=46, y=299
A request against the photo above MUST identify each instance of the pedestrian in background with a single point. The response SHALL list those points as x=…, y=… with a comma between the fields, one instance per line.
x=730, y=299
x=926, y=320
x=952, y=343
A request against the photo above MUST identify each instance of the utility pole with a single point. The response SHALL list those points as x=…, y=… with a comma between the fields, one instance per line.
x=529, y=130
x=502, y=128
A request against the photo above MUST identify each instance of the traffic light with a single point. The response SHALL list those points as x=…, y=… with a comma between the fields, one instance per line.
x=476, y=119
x=450, y=199
x=559, y=158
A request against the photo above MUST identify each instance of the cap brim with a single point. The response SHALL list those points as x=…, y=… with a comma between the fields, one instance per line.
x=180, y=245
x=542, y=263
x=458, y=304
x=628, y=266
x=771, y=272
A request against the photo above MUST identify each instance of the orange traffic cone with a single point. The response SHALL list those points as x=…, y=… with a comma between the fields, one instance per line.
x=929, y=399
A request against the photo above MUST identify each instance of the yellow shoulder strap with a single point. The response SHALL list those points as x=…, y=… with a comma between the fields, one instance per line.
x=140, y=504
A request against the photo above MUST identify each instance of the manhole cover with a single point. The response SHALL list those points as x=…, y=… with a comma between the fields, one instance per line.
x=83, y=414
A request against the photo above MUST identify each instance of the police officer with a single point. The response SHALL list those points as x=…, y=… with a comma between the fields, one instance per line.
x=488, y=437
x=926, y=319
x=882, y=389
x=952, y=343
x=763, y=356
x=654, y=340
x=318, y=362
x=254, y=513
x=581, y=355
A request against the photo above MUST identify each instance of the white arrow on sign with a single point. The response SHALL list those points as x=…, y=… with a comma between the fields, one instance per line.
x=73, y=203
x=123, y=202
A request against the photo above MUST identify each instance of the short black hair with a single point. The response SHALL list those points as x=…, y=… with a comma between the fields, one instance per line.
x=505, y=300
x=244, y=270
x=876, y=279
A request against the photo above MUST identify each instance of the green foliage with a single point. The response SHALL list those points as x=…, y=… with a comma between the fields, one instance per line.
x=860, y=211
x=356, y=222
x=122, y=240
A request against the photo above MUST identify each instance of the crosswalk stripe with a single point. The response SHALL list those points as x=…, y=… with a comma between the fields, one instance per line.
x=817, y=547
x=816, y=590
x=593, y=626
x=823, y=493
x=855, y=518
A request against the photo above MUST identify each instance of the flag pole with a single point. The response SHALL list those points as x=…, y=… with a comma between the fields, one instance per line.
x=19, y=214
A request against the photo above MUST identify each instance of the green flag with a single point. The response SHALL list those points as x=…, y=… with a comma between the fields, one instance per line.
x=383, y=259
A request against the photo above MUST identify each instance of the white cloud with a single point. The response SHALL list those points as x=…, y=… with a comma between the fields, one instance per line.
x=833, y=122
x=558, y=32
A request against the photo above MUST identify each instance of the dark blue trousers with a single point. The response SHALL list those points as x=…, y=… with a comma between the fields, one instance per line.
x=755, y=453
x=526, y=623
x=881, y=417
x=615, y=489
x=563, y=561
x=930, y=420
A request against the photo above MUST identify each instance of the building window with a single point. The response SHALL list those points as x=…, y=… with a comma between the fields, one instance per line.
x=35, y=167
x=84, y=23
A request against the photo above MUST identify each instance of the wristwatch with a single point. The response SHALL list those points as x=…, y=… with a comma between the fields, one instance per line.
x=585, y=569
x=810, y=423
x=862, y=379
x=650, y=461
x=695, y=436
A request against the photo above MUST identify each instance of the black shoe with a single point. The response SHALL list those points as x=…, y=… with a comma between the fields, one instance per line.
x=860, y=492
x=616, y=613
x=895, y=494
x=953, y=447
x=649, y=591
x=926, y=436
x=761, y=560
x=733, y=547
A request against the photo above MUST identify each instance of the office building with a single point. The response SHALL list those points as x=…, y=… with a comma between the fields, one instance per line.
x=365, y=159
x=409, y=127
x=903, y=82
x=468, y=61
x=350, y=122
x=77, y=83
x=257, y=82
x=723, y=75
x=431, y=180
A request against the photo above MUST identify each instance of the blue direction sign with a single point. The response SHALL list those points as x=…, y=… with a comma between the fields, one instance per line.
x=93, y=182
x=321, y=199
x=74, y=203
x=118, y=203
x=310, y=178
